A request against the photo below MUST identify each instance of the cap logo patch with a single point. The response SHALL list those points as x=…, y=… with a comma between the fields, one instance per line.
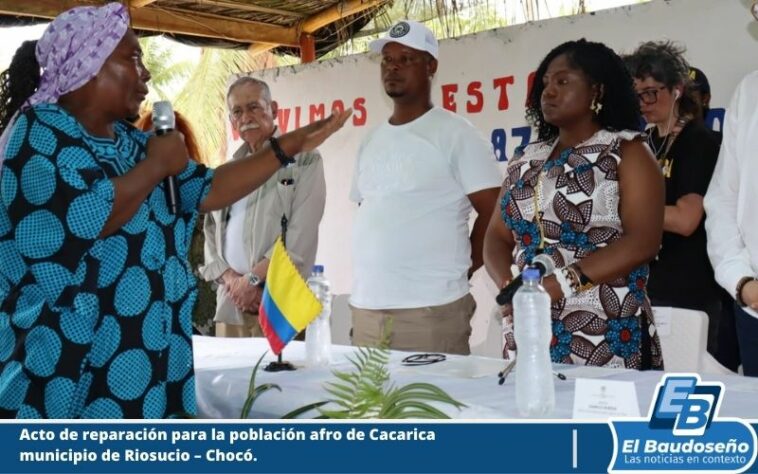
x=400, y=29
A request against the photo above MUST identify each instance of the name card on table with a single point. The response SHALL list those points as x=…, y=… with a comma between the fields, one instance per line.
x=602, y=399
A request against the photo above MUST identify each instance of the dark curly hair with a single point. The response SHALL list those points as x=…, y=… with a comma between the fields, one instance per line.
x=18, y=82
x=664, y=62
x=603, y=67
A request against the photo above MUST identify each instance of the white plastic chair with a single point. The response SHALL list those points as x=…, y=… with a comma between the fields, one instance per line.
x=684, y=341
x=341, y=319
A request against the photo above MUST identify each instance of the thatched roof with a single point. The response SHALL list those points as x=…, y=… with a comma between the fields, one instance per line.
x=225, y=23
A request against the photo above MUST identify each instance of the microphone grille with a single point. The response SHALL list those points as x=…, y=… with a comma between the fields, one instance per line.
x=163, y=116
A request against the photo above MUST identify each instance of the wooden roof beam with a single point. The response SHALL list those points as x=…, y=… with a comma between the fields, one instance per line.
x=164, y=21
x=249, y=7
x=140, y=3
x=337, y=12
x=258, y=48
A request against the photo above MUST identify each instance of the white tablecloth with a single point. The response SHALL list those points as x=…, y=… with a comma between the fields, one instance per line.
x=223, y=367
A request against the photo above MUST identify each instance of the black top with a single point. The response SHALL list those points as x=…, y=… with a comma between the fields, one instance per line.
x=682, y=274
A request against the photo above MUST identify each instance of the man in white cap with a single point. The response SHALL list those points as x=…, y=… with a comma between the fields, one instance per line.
x=417, y=177
x=730, y=217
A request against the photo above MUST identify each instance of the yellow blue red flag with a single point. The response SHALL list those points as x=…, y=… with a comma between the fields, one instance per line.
x=287, y=305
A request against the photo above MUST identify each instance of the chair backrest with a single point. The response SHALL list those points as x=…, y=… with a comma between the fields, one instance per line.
x=341, y=320
x=684, y=337
x=684, y=340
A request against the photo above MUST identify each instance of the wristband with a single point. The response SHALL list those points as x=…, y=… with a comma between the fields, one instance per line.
x=283, y=158
x=738, y=296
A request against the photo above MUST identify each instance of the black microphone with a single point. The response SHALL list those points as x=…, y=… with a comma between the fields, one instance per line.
x=541, y=262
x=164, y=122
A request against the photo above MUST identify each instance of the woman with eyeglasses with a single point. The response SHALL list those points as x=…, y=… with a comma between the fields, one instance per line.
x=588, y=195
x=681, y=276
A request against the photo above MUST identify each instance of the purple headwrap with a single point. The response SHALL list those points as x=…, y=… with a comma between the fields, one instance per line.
x=71, y=52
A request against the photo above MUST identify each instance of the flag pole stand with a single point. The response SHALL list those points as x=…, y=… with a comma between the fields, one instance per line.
x=280, y=365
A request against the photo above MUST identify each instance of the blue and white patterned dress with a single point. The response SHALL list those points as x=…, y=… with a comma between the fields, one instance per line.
x=92, y=327
x=610, y=324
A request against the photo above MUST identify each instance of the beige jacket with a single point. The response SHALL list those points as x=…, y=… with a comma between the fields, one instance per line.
x=302, y=202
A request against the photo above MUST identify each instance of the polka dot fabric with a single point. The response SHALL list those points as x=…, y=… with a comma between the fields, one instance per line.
x=91, y=327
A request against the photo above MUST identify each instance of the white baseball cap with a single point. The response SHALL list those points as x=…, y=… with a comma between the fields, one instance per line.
x=408, y=33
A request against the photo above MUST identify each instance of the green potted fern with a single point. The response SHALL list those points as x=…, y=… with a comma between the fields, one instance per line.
x=365, y=393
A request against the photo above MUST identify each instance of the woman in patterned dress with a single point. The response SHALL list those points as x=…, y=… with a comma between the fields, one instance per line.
x=588, y=194
x=96, y=293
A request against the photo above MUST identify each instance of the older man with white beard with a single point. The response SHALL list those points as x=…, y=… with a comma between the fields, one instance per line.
x=239, y=239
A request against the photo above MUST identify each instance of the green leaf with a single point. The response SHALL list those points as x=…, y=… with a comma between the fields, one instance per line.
x=254, y=392
x=405, y=408
x=340, y=390
x=423, y=391
x=304, y=409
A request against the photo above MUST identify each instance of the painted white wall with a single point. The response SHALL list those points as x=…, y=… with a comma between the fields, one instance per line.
x=487, y=67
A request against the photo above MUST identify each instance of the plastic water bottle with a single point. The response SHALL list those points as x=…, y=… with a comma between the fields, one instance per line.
x=318, y=334
x=535, y=392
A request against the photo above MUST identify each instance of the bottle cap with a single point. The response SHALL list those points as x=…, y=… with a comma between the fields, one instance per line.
x=318, y=269
x=531, y=274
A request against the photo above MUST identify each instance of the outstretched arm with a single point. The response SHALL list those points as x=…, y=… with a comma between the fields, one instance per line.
x=236, y=179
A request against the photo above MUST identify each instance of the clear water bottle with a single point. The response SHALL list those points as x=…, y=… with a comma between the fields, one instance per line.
x=535, y=392
x=318, y=334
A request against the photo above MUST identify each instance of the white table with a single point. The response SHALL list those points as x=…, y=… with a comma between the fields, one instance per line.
x=223, y=367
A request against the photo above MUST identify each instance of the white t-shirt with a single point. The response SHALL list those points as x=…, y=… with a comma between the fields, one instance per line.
x=411, y=243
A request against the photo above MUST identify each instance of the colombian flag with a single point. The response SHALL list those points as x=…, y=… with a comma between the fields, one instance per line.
x=287, y=305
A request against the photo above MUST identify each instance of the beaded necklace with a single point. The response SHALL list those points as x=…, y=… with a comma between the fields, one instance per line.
x=537, y=196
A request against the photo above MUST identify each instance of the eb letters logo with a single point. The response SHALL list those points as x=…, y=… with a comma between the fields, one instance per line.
x=685, y=406
x=683, y=432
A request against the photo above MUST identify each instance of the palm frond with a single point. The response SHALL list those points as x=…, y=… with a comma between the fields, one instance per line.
x=365, y=393
x=368, y=393
x=410, y=401
x=304, y=409
x=166, y=73
x=421, y=391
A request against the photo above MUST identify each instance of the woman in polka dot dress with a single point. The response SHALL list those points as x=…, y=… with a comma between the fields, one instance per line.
x=96, y=294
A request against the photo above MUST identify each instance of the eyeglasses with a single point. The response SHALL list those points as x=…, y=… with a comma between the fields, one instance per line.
x=423, y=359
x=650, y=96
